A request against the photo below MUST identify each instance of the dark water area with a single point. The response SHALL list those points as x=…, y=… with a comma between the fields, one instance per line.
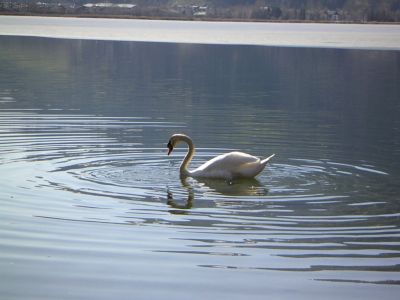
x=92, y=207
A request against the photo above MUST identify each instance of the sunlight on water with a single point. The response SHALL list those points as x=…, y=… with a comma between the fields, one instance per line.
x=92, y=205
x=359, y=36
x=299, y=209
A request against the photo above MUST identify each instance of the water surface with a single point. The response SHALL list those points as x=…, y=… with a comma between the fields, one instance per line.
x=359, y=36
x=91, y=206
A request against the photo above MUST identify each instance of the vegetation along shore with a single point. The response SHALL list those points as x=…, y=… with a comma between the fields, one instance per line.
x=344, y=11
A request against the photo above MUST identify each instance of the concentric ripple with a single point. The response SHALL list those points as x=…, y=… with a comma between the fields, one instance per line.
x=308, y=215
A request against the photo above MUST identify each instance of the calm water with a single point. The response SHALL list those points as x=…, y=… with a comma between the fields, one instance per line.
x=92, y=208
x=360, y=36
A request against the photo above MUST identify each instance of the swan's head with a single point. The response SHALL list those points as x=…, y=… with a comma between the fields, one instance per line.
x=174, y=140
x=170, y=147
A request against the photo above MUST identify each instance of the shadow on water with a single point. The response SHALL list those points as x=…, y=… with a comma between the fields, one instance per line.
x=238, y=187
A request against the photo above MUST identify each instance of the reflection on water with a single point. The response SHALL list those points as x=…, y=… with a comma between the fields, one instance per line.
x=237, y=187
x=93, y=208
x=219, y=187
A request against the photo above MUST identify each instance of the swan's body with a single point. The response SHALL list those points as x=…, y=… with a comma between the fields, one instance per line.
x=226, y=166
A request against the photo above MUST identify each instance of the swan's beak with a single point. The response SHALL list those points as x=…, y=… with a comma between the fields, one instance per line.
x=170, y=148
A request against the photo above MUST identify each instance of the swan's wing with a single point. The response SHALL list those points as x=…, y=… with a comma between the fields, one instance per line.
x=232, y=164
x=230, y=160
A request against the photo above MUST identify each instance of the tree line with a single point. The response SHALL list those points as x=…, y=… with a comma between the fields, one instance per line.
x=278, y=10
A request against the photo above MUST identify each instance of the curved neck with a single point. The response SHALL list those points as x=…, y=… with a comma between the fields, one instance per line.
x=183, y=168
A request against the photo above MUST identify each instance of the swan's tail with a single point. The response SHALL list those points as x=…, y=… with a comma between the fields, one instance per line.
x=264, y=161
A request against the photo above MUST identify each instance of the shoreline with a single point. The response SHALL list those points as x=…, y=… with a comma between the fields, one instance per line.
x=189, y=19
x=227, y=32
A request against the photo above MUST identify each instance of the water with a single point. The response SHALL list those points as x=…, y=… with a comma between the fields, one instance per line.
x=91, y=206
x=360, y=36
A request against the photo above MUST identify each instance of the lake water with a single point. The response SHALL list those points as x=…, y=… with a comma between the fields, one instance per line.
x=93, y=208
x=360, y=36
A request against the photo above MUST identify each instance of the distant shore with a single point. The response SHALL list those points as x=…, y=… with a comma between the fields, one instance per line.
x=280, y=34
x=199, y=19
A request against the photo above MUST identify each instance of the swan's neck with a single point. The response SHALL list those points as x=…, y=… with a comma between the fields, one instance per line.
x=184, y=166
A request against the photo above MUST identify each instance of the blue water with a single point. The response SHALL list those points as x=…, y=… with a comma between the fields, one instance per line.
x=92, y=207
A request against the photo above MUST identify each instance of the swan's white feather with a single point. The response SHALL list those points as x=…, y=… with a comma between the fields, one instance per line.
x=226, y=166
x=230, y=165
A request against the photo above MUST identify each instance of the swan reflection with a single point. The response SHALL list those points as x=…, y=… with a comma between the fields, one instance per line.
x=238, y=187
x=218, y=187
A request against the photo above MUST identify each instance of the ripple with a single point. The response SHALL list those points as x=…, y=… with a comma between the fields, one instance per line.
x=316, y=215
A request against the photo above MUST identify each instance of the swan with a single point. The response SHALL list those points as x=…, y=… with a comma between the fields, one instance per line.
x=225, y=166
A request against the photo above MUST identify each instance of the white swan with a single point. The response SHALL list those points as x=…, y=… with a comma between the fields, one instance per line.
x=226, y=166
